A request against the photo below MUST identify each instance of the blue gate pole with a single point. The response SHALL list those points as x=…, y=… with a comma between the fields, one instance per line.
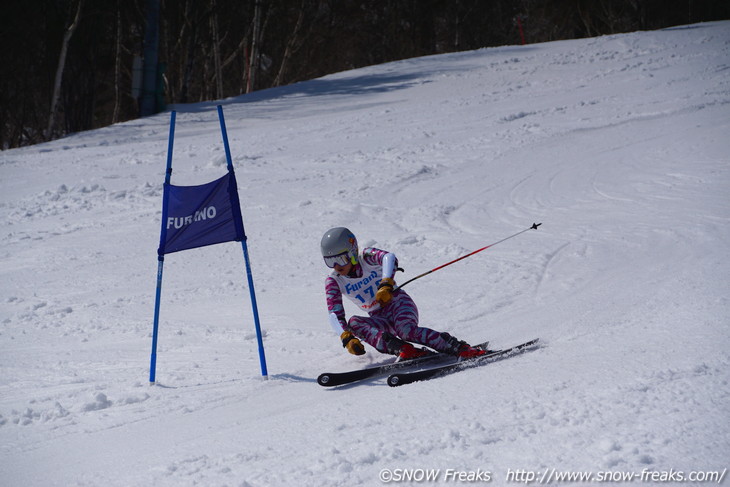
x=153, y=357
x=161, y=258
x=262, y=355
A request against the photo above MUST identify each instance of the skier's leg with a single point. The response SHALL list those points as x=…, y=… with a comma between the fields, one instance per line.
x=403, y=315
x=376, y=331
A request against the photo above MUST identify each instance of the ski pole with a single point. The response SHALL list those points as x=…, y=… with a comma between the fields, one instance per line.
x=533, y=227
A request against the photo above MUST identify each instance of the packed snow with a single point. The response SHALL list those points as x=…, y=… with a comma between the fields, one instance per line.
x=618, y=145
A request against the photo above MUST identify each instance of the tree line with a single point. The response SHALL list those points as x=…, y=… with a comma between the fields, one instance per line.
x=73, y=65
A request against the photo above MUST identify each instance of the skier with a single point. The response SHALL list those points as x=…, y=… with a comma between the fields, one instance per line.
x=367, y=280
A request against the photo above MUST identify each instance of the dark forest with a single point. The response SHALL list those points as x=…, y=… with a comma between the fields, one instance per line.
x=74, y=65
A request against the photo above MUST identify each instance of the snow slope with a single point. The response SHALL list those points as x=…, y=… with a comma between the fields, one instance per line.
x=618, y=145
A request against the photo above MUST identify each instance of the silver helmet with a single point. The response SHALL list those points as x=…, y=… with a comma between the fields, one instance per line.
x=339, y=246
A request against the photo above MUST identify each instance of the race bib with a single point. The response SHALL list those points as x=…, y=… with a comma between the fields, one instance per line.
x=361, y=290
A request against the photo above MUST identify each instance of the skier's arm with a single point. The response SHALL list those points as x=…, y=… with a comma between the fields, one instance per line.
x=337, y=318
x=389, y=265
x=334, y=302
x=389, y=262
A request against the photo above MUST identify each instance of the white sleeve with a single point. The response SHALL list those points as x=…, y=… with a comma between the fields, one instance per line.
x=389, y=260
x=335, y=323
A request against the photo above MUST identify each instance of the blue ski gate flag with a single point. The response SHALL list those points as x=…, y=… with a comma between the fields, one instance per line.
x=196, y=216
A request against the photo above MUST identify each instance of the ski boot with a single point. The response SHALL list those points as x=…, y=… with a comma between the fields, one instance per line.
x=404, y=350
x=461, y=349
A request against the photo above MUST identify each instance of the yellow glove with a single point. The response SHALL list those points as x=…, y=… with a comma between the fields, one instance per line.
x=385, y=291
x=352, y=344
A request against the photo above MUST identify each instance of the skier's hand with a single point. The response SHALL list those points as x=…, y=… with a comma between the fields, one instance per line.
x=352, y=344
x=385, y=291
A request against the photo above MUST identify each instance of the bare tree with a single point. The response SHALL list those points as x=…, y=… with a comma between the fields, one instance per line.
x=117, y=65
x=254, y=61
x=216, y=51
x=59, y=71
x=293, y=43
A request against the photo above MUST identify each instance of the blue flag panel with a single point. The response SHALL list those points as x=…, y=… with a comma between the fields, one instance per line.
x=196, y=216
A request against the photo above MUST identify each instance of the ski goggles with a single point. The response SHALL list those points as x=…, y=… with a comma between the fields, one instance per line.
x=340, y=259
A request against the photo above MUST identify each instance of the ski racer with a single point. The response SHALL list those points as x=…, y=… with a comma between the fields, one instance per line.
x=392, y=323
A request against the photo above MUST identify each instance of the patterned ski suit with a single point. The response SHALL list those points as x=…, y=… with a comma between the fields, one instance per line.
x=398, y=318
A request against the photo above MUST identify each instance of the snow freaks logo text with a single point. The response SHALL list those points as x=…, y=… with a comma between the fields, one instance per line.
x=548, y=476
x=397, y=475
x=552, y=476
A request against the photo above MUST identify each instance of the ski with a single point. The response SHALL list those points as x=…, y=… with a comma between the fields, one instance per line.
x=331, y=379
x=402, y=378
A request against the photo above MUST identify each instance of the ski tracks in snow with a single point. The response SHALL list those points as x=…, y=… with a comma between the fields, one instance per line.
x=616, y=144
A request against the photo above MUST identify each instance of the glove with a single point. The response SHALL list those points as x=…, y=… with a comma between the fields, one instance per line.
x=352, y=344
x=385, y=291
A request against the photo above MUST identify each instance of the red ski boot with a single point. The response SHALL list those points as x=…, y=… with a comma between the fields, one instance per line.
x=461, y=349
x=466, y=351
x=409, y=352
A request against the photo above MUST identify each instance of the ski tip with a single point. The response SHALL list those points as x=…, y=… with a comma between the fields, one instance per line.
x=394, y=380
x=529, y=344
x=324, y=380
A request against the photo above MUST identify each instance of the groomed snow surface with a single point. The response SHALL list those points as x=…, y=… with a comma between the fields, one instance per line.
x=619, y=145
